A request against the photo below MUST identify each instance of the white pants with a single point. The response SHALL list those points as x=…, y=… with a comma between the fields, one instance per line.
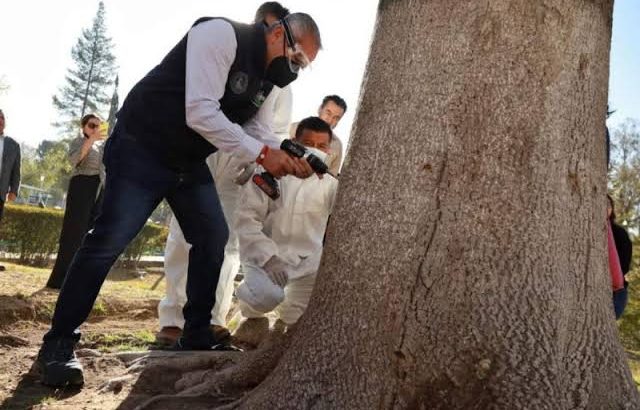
x=297, y=293
x=176, y=253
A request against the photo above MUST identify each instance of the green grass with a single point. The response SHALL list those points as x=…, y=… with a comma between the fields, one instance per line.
x=45, y=309
x=24, y=281
x=629, y=323
x=119, y=342
x=48, y=400
x=634, y=364
x=99, y=308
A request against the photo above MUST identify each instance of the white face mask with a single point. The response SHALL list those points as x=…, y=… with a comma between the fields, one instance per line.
x=320, y=154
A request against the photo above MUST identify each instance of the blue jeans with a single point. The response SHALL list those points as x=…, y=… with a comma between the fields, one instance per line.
x=136, y=183
x=620, y=301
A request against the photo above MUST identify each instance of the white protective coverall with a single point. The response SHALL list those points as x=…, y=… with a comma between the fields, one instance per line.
x=291, y=228
x=224, y=168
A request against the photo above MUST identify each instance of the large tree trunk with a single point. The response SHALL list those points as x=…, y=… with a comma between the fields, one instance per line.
x=465, y=264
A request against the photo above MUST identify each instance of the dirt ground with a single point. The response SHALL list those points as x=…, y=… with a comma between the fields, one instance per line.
x=117, y=340
x=123, y=320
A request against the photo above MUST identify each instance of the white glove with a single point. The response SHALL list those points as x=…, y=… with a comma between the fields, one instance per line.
x=277, y=270
x=258, y=291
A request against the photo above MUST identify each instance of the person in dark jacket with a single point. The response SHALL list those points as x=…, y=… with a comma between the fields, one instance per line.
x=625, y=249
x=9, y=169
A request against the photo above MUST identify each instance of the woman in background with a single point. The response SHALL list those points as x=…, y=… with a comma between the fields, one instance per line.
x=624, y=249
x=83, y=195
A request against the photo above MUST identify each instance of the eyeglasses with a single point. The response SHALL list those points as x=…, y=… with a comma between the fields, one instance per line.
x=93, y=125
x=295, y=55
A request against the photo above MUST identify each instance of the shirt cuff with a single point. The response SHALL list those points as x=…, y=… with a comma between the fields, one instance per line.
x=250, y=149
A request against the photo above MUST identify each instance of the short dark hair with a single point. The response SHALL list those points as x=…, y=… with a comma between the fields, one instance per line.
x=336, y=100
x=85, y=119
x=271, y=7
x=313, y=124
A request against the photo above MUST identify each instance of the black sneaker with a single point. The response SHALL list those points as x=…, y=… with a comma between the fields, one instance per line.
x=204, y=340
x=58, y=364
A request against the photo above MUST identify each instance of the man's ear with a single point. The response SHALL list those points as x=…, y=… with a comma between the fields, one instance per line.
x=276, y=33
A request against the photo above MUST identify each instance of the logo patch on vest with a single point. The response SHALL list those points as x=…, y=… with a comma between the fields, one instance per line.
x=239, y=82
x=259, y=98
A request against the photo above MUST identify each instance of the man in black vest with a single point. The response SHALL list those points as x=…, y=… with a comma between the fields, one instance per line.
x=205, y=95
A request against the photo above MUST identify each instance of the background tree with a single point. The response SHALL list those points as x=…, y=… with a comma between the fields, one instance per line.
x=464, y=266
x=47, y=167
x=87, y=85
x=114, y=106
x=625, y=172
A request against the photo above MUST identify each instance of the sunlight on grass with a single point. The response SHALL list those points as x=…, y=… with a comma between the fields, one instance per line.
x=125, y=283
x=118, y=342
x=629, y=324
x=48, y=400
x=635, y=371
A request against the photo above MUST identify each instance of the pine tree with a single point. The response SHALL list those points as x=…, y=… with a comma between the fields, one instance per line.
x=115, y=103
x=86, y=84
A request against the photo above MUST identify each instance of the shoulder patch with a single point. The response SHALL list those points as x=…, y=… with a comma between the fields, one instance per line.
x=239, y=82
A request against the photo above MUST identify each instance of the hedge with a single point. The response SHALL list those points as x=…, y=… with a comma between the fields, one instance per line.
x=33, y=233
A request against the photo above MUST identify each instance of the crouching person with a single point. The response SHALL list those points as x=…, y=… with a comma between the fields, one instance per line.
x=281, y=240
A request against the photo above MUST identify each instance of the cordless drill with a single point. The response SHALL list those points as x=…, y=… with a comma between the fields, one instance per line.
x=268, y=183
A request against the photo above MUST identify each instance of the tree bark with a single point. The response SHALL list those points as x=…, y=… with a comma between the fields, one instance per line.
x=465, y=263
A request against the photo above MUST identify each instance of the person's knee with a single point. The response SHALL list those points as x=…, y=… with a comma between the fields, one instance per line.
x=99, y=241
x=212, y=237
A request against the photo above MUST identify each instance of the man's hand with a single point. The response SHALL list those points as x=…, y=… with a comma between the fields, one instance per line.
x=278, y=163
x=98, y=136
x=276, y=270
x=303, y=169
x=11, y=197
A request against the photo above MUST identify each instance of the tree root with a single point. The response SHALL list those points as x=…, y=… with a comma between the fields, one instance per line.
x=115, y=385
x=191, y=402
x=223, y=388
x=250, y=372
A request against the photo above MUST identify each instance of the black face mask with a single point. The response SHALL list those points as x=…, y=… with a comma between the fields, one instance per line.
x=279, y=72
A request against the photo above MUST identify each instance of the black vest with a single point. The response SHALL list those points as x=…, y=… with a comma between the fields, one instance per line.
x=154, y=110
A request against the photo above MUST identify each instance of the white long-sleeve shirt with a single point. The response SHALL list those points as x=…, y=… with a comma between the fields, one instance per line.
x=291, y=227
x=211, y=50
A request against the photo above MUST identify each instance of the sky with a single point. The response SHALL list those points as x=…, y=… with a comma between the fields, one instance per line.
x=36, y=51
x=624, y=71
